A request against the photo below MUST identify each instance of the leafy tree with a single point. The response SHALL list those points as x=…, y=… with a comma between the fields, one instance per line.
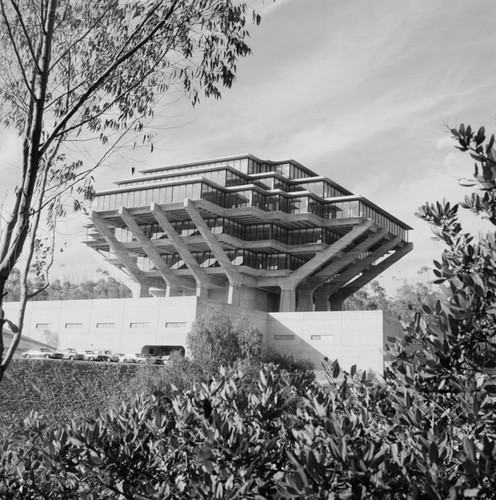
x=410, y=297
x=468, y=264
x=407, y=301
x=12, y=292
x=215, y=340
x=71, y=67
x=105, y=287
x=369, y=298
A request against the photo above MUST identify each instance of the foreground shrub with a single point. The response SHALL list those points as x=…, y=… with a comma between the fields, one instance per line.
x=60, y=391
x=179, y=373
x=217, y=440
x=359, y=437
x=286, y=362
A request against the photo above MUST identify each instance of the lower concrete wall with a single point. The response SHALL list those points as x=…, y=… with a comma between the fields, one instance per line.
x=352, y=337
x=136, y=325
x=122, y=325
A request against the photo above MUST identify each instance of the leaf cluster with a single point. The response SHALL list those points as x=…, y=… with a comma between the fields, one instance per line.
x=105, y=287
x=215, y=340
x=358, y=437
x=482, y=151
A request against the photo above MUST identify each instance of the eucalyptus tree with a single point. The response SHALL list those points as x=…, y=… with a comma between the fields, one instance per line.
x=69, y=68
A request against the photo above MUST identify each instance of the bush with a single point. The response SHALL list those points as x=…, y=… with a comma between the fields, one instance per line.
x=162, y=381
x=60, y=391
x=286, y=362
x=358, y=438
x=214, y=441
x=216, y=341
x=412, y=436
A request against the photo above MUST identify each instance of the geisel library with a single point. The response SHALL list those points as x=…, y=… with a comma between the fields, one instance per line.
x=270, y=239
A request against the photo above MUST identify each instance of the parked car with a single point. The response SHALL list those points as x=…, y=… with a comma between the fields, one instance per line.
x=42, y=352
x=86, y=355
x=128, y=358
x=142, y=358
x=160, y=360
x=103, y=355
x=67, y=353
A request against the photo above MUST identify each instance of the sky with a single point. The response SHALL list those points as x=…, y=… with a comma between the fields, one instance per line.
x=362, y=92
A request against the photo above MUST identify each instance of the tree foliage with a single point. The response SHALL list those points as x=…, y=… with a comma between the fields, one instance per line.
x=105, y=287
x=412, y=296
x=359, y=437
x=60, y=392
x=404, y=304
x=215, y=340
x=372, y=297
x=72, y=68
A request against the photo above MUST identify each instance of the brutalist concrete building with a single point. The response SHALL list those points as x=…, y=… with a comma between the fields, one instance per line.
x=271, y=235
x=268, y=239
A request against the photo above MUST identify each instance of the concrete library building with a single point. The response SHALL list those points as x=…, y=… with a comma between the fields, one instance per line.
x=268, y=239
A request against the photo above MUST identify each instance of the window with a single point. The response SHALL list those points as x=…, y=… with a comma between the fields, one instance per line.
x=391, y=339
x=73, y=325
x=175, y=324
x=105, y=325
x=41, y=326
x=322, y=336
x=139, y=325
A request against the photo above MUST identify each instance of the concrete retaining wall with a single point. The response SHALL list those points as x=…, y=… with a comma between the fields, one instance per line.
x=132, y=325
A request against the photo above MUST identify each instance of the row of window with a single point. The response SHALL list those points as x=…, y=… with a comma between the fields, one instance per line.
x=359, y=208
x=250, y=198
x=327, y=337
x=168, y=324
x=391, y=340
x=292, y=337
x=223, y=177
x=227, y=178
x=272, y=202
x=201, y=190
x=240, y=164
x=252, y=232
x=245, y=165
x=143, y=197
x=240, y=257
x=288, y=169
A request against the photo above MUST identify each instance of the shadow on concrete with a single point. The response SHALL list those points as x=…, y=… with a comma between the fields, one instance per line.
x=25, y=343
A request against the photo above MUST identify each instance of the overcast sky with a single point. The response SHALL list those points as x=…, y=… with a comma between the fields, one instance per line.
x=358, y=91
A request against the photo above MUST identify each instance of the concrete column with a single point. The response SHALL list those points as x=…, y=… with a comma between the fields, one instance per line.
x=234, y=295
x=172, y=291
x=305, y=299
x=321, y=301
x=202, y=290
x=336, y=302
x=201, y=277
x=139, y=290
x=288, y=300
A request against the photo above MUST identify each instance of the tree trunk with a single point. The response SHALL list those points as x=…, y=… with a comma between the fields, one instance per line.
x=17, y=228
